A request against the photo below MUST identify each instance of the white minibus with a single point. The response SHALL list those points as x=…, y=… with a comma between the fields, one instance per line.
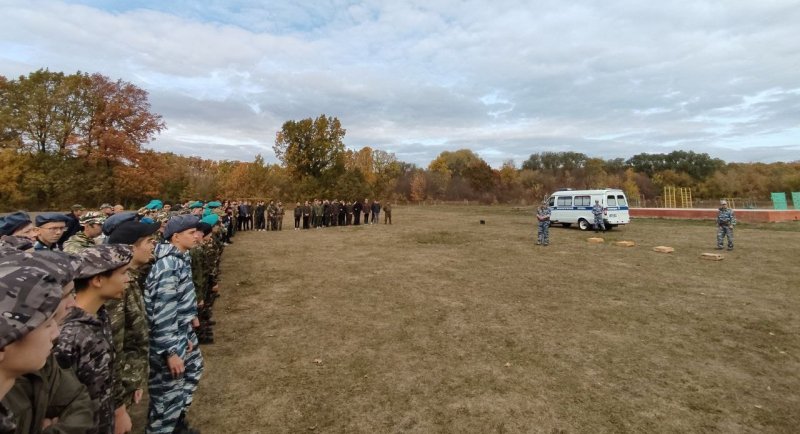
x=568, y=207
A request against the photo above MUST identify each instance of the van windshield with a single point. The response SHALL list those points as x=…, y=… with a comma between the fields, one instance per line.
x=611, y=200
x=621, y=200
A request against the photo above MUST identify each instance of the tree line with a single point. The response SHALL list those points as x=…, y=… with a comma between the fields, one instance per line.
x=80, y=138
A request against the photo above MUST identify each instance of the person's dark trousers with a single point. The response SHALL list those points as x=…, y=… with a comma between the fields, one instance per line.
x=366, y=217
x=376, y=217
x=297, y=222
x=305, y=222
x=259, y=222
x=357, y=218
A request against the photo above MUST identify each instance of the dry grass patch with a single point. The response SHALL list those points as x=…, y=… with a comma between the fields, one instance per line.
x=441, y=324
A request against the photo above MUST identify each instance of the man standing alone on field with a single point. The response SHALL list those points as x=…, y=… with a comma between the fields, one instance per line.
x=543, y=216
x=387, y=213
x=597, y=211
x=725, y=222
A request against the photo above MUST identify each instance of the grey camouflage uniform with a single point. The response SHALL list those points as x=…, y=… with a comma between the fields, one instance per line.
x=543, y=217
x=725, y=222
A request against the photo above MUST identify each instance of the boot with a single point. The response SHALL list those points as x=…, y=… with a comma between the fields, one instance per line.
x=182, y=426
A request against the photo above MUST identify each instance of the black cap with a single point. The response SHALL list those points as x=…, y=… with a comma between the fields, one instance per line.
x=129, y=232
x=204, y=227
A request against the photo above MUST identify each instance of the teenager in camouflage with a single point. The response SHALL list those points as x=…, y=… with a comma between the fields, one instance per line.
x=85, y=340
x=129, y=328
x=92, y=223
x=51, y=399
x=29, y=297
x=176, y=363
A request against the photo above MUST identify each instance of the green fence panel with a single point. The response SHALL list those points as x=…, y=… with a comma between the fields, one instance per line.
x=779, y=201
x=796, y=199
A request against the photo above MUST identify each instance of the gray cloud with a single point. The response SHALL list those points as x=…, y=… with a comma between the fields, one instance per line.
x=504, y=78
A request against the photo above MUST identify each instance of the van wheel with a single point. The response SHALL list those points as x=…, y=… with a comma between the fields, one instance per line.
x=583, y=224
x=566, y=225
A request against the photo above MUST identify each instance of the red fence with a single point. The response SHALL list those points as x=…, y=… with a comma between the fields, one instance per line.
x=742, y=215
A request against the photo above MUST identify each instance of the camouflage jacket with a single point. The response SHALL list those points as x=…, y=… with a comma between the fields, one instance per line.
x=726, y=217
x=85, y=343
x=51, y=392
x=597, y=210
x=199, y=256
x=7, y=420
x=77, y=243
x=131, y=343
x=170, y=302
x=543, y=214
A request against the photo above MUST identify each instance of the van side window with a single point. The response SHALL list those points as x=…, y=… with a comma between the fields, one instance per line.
x=611, y=200
x=565, y=201
x=621, y=200
x=583, y=200
x=552, y=201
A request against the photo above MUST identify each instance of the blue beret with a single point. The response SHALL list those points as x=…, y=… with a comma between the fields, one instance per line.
x=210, y=219
x=154, y=204
x=10, y=223
x=49, y=217
x=180, y=223
x=197, y=204
x=115, y=220
x=214, y=204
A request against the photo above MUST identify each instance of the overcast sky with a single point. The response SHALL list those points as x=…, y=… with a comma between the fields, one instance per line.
x=504, y=78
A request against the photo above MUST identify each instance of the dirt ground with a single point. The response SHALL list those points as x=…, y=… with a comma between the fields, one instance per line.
x=440, y=324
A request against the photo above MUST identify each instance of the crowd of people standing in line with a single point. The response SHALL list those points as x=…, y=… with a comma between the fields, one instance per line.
x=326, y=213
x=262, y=216
x=94, y=305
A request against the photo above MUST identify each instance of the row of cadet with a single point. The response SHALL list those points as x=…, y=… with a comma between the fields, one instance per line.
x=325, y=213
x=260, y=216
x=126, y=305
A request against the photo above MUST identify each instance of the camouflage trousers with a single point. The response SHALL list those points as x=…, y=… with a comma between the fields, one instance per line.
x=169, y=397
x=544, y=233
x=722, y=232
x=599, y=224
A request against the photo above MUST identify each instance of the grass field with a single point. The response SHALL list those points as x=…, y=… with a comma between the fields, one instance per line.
x=440, y=324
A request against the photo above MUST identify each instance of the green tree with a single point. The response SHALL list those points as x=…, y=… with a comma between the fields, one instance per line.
x=310, y=147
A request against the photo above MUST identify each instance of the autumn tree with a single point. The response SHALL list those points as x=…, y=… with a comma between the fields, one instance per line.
x=418, y=186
